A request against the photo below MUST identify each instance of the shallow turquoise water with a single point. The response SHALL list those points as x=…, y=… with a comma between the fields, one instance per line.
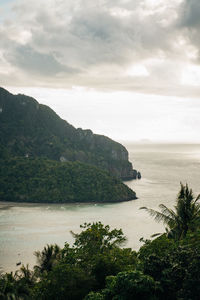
x=25, y=228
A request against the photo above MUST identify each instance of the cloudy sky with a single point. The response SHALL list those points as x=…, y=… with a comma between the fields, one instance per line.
x=129, y=69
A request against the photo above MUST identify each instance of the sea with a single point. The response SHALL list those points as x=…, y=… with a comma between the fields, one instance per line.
x=25, y=228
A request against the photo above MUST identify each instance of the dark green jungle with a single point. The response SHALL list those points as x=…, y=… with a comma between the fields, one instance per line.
x=45, y=159
x=48, y=181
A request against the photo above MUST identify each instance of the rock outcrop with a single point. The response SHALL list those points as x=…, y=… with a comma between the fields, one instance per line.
x=29, y=129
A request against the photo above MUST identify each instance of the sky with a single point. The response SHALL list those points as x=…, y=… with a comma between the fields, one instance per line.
x=129, y=69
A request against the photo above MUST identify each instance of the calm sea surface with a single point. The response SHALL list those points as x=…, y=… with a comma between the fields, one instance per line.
x=25, y=228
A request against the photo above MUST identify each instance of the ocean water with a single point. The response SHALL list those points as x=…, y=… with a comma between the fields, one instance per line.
x=25, y=228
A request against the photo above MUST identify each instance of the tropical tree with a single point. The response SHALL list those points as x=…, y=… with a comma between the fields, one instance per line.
x=8, y=289
x=13, y=288
x=47, y=258
x=83, y=267
x=127, y=286
x=184, y=217
x=97, y=238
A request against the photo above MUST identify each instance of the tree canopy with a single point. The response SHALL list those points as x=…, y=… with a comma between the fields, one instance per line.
x=42, y=180
x=98, y=266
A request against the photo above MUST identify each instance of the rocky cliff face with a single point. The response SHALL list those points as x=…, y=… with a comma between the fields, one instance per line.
x=34, y=130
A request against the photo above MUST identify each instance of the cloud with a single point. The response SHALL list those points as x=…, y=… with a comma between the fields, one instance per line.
x=95, y=43
x=189, y=20
x=190, y=14
x=32, y=61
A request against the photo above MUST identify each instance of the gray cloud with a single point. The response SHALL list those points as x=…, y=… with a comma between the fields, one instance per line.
x=94, y=43
x=32, y=61
x=189, y=20
x=190, y=16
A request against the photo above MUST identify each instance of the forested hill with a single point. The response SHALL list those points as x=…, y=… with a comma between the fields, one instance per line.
x=42, y=180
x=29, y=129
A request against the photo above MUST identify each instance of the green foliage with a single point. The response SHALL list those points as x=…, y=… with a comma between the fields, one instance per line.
x=173, y=259
x=98, y=251
x=96, y=238
x=41, y=180
x=17, y=286
x=63, y=282
x=94, y=296
x=83, y=267
x=47, y=258
x=183, y=218
x=96, y=268
x=127, y=286
x=113, y=262
x=175, y=264
x=159, y=247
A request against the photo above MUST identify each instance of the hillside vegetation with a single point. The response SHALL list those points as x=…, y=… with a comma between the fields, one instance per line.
x=97, y=266
x=42, y=180
x=34, y=130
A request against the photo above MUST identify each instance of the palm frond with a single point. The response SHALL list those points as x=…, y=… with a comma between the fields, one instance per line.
x=183, y=217
x=197, y=198
x=167, y=211
x=157, y=215
x=156, y=234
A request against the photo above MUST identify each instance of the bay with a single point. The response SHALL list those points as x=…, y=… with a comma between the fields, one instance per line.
x=25, y=228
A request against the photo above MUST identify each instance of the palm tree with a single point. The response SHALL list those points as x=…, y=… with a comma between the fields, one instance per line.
x=185, y=215
x=8, y=288
x=47, y=258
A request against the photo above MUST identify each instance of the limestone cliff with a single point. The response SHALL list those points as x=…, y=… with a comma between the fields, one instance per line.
x=30, y=129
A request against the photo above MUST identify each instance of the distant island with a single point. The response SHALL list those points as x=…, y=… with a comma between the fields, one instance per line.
x=45, y=159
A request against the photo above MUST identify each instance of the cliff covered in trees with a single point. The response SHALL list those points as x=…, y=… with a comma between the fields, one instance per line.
x=45, y=159
x=29, y=129
x=48, y=181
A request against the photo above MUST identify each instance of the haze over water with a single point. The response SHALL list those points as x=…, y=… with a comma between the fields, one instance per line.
x=25, y=228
